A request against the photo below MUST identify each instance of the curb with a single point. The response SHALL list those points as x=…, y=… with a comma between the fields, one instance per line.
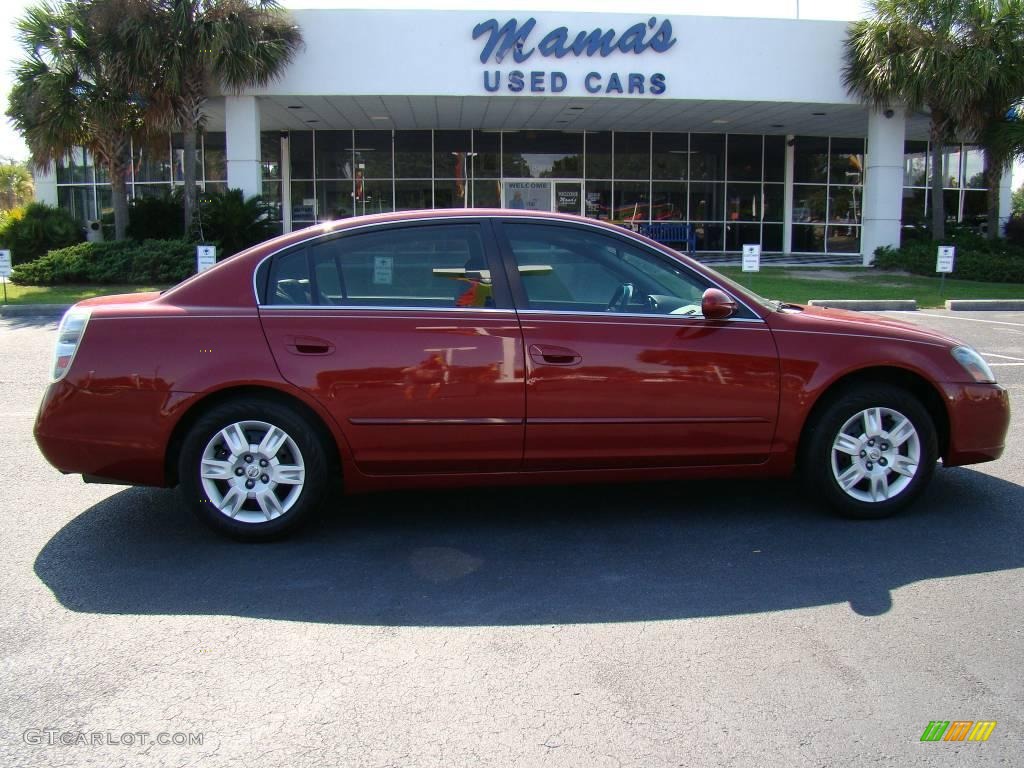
x=34, y=310
x=974, y=305
x=867, y=305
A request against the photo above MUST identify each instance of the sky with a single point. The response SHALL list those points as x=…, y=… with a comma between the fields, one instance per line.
x=12, y=146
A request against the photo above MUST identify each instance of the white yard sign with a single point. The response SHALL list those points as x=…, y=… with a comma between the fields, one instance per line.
x=206, y=257
x=946, y=257
x=752, y=258
x=5, y=264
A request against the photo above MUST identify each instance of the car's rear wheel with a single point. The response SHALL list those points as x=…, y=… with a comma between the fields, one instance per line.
x=871, y=451
x=253, y=469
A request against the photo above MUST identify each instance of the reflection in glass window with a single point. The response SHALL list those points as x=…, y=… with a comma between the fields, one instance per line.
x=974, y=168
x=373, y=154
x=632, y=155
x=707, y=201
x=951, y=167
x=486, y=193
x=808, y=238
x=334, y=199
x=745, y=158
x=707, y=156
x=845, y=204
x=452, y=156
x=809, y=203
x=413, y=155
x=215, y=156
x=487, y=162
x=289, y=282
x=542, y=154
x=775, y=158
x=843, y=239
x=571, y=270
x=846, y=161
x=632, y=202
x=300, y=152
x=915, y=164
x=668, y=201
x=810, y=159
x=413, y=195
x=599, y=155
x=597, y=200
x=743, y=202
x=333, y=155
x=426, y=266
x=270, y=154
x=671, y=158
x=450, y=193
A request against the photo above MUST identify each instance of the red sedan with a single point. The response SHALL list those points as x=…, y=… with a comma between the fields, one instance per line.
x=458, y=348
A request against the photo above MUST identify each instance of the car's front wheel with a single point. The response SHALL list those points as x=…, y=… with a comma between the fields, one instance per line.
x=871, y=451
x=253, y=469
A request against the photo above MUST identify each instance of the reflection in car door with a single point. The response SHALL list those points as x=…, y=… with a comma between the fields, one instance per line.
x=650, y=383
x=403, y=335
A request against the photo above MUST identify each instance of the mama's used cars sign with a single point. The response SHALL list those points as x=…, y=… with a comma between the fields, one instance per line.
x=517, y=42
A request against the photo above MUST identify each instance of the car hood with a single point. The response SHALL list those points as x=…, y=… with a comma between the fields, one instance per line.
x=843, y=321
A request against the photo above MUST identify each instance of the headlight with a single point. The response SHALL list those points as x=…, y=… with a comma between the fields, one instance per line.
x=69, y=336
x=974, y=364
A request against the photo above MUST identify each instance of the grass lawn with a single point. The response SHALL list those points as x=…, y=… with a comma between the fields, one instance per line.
x=67, y=294
x=799, y=285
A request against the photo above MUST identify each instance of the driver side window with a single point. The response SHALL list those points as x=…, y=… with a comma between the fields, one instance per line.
x=573, y=270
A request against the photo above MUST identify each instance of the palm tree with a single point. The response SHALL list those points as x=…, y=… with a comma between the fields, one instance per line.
x=69, y=92
x=990, y=117
x=190, y=47
x=914, y=53
x=15, y=185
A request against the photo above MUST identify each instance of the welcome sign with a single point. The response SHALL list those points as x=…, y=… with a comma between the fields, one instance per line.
x=516, y=43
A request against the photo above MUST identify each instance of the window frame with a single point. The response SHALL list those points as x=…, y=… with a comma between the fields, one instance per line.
x=744, y=312
x=500, y=289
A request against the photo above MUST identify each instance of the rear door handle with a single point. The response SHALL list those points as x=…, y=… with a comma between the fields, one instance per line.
x=308, y=345
x=548, y=355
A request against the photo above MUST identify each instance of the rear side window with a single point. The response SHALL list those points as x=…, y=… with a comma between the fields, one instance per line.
x=289, y=279
x=426, y=266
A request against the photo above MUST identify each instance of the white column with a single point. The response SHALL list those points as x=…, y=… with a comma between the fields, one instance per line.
x=883, y=182
x=45, y=185
x=1005, y=198
x=242, y=121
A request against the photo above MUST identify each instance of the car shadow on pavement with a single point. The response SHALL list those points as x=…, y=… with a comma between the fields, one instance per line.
x=535, y=556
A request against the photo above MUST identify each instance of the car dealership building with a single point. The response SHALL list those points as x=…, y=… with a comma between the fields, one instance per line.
x=706, y=132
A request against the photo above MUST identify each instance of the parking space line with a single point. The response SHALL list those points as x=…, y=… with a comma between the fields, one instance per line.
x=1004, y=365
x=1005, y=357
x=964, y=319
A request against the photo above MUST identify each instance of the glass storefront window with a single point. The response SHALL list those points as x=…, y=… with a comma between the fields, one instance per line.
x=599, y=155
x=271, y=193
x=376, y=198
x=914, y=206
x=541, y=154
x=915, y=164
x=845, y=204
x=707, y=201
x=452, y=156
x=373, y=154
x=77, y=168
x=152, y=164
x=843, y=239
x=178, y=159
x=632, y=159
x=270, y=154
x=808, y=238
x=738, y=235
x=487, y=148
x=809, y=203
x=846, y=161
x=597, y=200
x=709, y=236
x=413, y=195
x=334, y=199
x=333, y=155
x=771, y=237
x=707, y=157
x=632, y=201
x=671, y=158
x=79, y=200
x=668, y=201
x=743, y=202
x=810, y=162
x=774, y=202
x=450, y=193
x=974, y=169
x=487, y=193
x=951, y=167
x=775, y=159
x=975, y=206
x=745, y=158
x=300, y=150
x=304, y=208
x=413, y=155
x=215, y=156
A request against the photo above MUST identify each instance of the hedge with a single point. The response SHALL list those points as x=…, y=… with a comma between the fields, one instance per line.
x=32, y=230
x=151, y=261
x=977, y=258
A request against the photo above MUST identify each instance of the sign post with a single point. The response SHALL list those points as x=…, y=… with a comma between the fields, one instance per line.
x=206, y=257
x=944, y=264
x=5, y=270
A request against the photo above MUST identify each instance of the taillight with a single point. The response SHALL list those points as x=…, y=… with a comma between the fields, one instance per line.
x=69, y=335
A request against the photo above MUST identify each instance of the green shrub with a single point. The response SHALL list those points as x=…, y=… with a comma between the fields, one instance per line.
x=977, y=258
x=232, y=223
x=34, y=229
x=156, y=218
x=151, y=261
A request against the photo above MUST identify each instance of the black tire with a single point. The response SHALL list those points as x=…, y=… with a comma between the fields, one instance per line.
x=816, y=462
x=313, y=455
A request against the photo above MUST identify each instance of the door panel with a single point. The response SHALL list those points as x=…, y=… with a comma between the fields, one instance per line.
x=406, y=344
x=622, y=370
x=649, y=393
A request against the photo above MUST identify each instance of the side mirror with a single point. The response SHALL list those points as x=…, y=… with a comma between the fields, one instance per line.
x=717, y=305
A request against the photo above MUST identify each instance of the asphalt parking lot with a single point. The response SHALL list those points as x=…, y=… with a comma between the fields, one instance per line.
x=698, y=624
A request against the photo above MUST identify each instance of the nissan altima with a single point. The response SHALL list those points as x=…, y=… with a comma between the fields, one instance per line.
x=485, y=347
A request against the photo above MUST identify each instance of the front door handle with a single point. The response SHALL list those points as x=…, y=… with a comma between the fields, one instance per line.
x=308, y=345
x=543, y=354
